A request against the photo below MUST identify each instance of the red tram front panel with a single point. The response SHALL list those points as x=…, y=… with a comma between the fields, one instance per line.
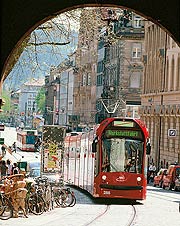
x=120, y=185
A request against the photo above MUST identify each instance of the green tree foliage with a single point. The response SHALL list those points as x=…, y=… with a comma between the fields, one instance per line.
x=40, y=100
x=7, y=99
x=8, y=108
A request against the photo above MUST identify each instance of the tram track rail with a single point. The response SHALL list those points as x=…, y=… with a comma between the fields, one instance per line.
x=98, y=216
x=129, y=222
x=133, y=217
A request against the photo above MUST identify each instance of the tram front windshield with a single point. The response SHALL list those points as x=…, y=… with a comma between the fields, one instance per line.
x=122, y=155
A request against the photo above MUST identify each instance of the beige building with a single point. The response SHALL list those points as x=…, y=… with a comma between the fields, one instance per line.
x=161, y=95
x=109, y=63
x=86, y=64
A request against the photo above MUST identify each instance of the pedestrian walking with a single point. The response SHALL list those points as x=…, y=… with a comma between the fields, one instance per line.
x=3, y=150
x=37, y=144
x=10, y=167
x=14, y=147
x=15, y=168
x=152, y=172
x=3, y=168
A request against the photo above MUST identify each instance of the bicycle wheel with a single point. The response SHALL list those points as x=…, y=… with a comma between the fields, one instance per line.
x=74, y=200
x=66, y=197
x=59, y=197
x=36, y=204
x=6, y=208
x=71, y=201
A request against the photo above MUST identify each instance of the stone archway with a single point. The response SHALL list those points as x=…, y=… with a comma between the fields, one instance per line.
x=19, y=18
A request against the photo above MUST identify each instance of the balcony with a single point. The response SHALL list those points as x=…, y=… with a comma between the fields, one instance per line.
x=130, y=33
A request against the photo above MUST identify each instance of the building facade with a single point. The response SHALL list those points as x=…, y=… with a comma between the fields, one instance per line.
x=107, y=70
x=86, y=63
x=59, y=85
x=27, y=96
x=120, y=66
x=161, y=95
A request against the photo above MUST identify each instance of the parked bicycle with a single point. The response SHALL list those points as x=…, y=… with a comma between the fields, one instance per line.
x=43, y=188
x=62, y=196
x=45, y=194
x=34, y=201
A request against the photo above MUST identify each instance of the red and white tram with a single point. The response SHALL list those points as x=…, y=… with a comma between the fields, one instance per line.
x=110, y=160
x=26, y=140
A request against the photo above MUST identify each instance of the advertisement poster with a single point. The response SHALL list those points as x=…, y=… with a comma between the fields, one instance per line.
x=53, y=148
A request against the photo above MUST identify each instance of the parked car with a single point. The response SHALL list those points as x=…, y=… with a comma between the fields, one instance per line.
x=177, y=184
x=52, y=177
x=34, y=172
x=158, y=179
x=171, y=176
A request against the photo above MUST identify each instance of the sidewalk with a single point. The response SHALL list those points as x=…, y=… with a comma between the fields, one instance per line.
x=9, y=156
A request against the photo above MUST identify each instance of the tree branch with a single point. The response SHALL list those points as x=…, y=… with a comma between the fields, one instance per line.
x=48, y=43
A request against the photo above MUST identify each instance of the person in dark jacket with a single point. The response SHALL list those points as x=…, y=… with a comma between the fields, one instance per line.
x=15, y=168
x=14, y=147
x=3, y=149
x=3, y=168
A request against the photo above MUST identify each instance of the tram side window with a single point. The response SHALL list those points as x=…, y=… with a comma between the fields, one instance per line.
x=78, y=150
x=97, y=161
x=94, y=145
x=30, y=139
x=177, y=172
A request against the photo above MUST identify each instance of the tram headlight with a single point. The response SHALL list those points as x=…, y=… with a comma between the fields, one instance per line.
x=138, y=179
x=104, y=177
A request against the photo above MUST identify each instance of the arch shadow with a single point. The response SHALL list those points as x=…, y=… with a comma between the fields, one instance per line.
x=20, y=17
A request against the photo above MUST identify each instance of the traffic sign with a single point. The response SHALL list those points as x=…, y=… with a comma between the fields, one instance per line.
x=1, y=127
x=172, y=132
x=1, y=140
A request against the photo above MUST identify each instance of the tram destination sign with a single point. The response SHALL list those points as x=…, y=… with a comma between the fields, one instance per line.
x=124, y=133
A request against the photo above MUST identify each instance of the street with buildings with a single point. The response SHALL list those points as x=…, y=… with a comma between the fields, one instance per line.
x=124, y=66
x=120, y=68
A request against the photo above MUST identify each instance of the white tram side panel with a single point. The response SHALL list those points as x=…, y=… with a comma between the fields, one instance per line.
x=85, y=161
x=79, y=160
x=86, y=178
x=82, y=161
x=72, y=159
x=90, y=167
x=19, y=141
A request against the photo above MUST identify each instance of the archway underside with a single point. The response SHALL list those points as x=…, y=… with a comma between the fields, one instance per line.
x=18, y=18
